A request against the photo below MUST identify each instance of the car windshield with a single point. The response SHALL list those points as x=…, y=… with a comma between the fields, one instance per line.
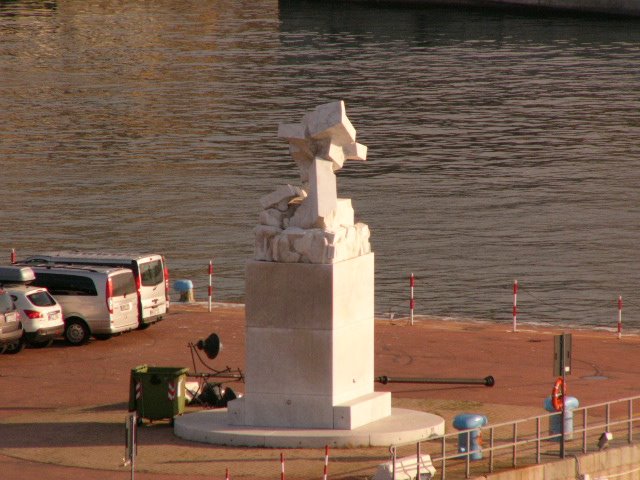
x=6, y=304
x=42, y=299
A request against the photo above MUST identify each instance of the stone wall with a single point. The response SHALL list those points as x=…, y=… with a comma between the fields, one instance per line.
x=619, y=462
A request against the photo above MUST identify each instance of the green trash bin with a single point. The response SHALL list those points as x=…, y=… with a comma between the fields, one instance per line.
x=157, y=392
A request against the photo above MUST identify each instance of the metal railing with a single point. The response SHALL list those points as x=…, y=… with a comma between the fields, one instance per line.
x=523, y=442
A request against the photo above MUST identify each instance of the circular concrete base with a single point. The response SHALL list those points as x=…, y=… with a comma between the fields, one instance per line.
x=402, y=426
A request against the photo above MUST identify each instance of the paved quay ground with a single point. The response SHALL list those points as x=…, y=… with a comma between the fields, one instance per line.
x=62, y=409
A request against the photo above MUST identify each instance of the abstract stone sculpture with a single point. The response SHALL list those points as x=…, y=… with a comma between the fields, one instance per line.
x=309, y=223
x=309, y=310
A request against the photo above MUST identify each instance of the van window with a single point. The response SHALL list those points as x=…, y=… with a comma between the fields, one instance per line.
x=65, y=284
x=151, y=273
x=123, y=284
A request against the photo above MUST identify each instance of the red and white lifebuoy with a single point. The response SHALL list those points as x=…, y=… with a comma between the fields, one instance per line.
x=558, y=393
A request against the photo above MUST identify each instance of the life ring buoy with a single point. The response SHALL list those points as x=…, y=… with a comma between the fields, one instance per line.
x=557, y=394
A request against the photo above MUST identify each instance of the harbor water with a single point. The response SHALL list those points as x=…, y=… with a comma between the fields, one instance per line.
x=502, y=145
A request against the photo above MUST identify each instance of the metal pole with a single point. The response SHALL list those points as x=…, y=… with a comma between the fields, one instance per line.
x=417, y=461
x=131, y=443
x=412, y=302
x=515, y=305
x=630, y=411
x=515, y=444
x=444, y=459
x=488, y=381
x=491, y=445
x=392, y=449
x=584, y=430
x=538, y=435
x=134, y=442
x=619, y=317
x=326, y=461
x=467, y=472
x=210, y=283
x=564, y=409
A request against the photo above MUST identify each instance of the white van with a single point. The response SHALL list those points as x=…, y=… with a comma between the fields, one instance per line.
x=95, y=300
x=150, y=271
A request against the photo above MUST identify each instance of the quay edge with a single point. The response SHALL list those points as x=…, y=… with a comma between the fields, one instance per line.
x=623, y=8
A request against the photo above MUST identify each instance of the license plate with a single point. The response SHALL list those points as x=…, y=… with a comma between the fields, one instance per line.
x=53, y=316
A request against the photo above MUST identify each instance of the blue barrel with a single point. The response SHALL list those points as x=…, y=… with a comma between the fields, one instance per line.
x=555, y=421
x=473, y=439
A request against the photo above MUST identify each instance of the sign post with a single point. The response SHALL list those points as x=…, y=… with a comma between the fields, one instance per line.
x=131, y=441
x=562, y=368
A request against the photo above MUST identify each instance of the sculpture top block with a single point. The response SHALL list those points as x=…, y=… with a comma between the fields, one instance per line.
x=327, y=134
x=310, y=224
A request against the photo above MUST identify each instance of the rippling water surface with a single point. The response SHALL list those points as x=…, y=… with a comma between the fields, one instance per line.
x=501, y=146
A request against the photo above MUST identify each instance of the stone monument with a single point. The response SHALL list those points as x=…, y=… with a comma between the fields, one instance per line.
x=310, y=293
x=309, y=304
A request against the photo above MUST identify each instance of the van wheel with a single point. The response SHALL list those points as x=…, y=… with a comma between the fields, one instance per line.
x=16, y=347
x=76, y=332
x=3, y=348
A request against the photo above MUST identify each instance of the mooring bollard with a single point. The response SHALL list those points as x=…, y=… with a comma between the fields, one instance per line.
x=470, y=442
x=185, y=289
x=555, y=421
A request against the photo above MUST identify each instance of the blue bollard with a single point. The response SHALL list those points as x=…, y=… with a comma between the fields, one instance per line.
x=473, y=439
x=555, y=421
x=185, y=289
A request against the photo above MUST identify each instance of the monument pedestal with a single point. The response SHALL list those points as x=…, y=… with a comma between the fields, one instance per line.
x=310, y=346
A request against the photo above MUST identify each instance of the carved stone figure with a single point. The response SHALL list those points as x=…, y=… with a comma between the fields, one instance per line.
x=309, y=223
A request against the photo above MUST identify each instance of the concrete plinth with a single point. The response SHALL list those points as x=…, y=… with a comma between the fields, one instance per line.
x=402, y=426
x=309, y=379
x=309, y=343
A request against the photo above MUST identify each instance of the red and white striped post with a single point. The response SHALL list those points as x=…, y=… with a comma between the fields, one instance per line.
x=515, y=305
x=13, y=256
x=619, y=316
x=226, y=474
x=412, y=301
x=326, y=462
x=281, y=466
x=210, y=283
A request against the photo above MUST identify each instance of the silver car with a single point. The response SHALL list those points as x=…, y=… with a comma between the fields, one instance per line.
x=10, y=325
x=42, y=319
